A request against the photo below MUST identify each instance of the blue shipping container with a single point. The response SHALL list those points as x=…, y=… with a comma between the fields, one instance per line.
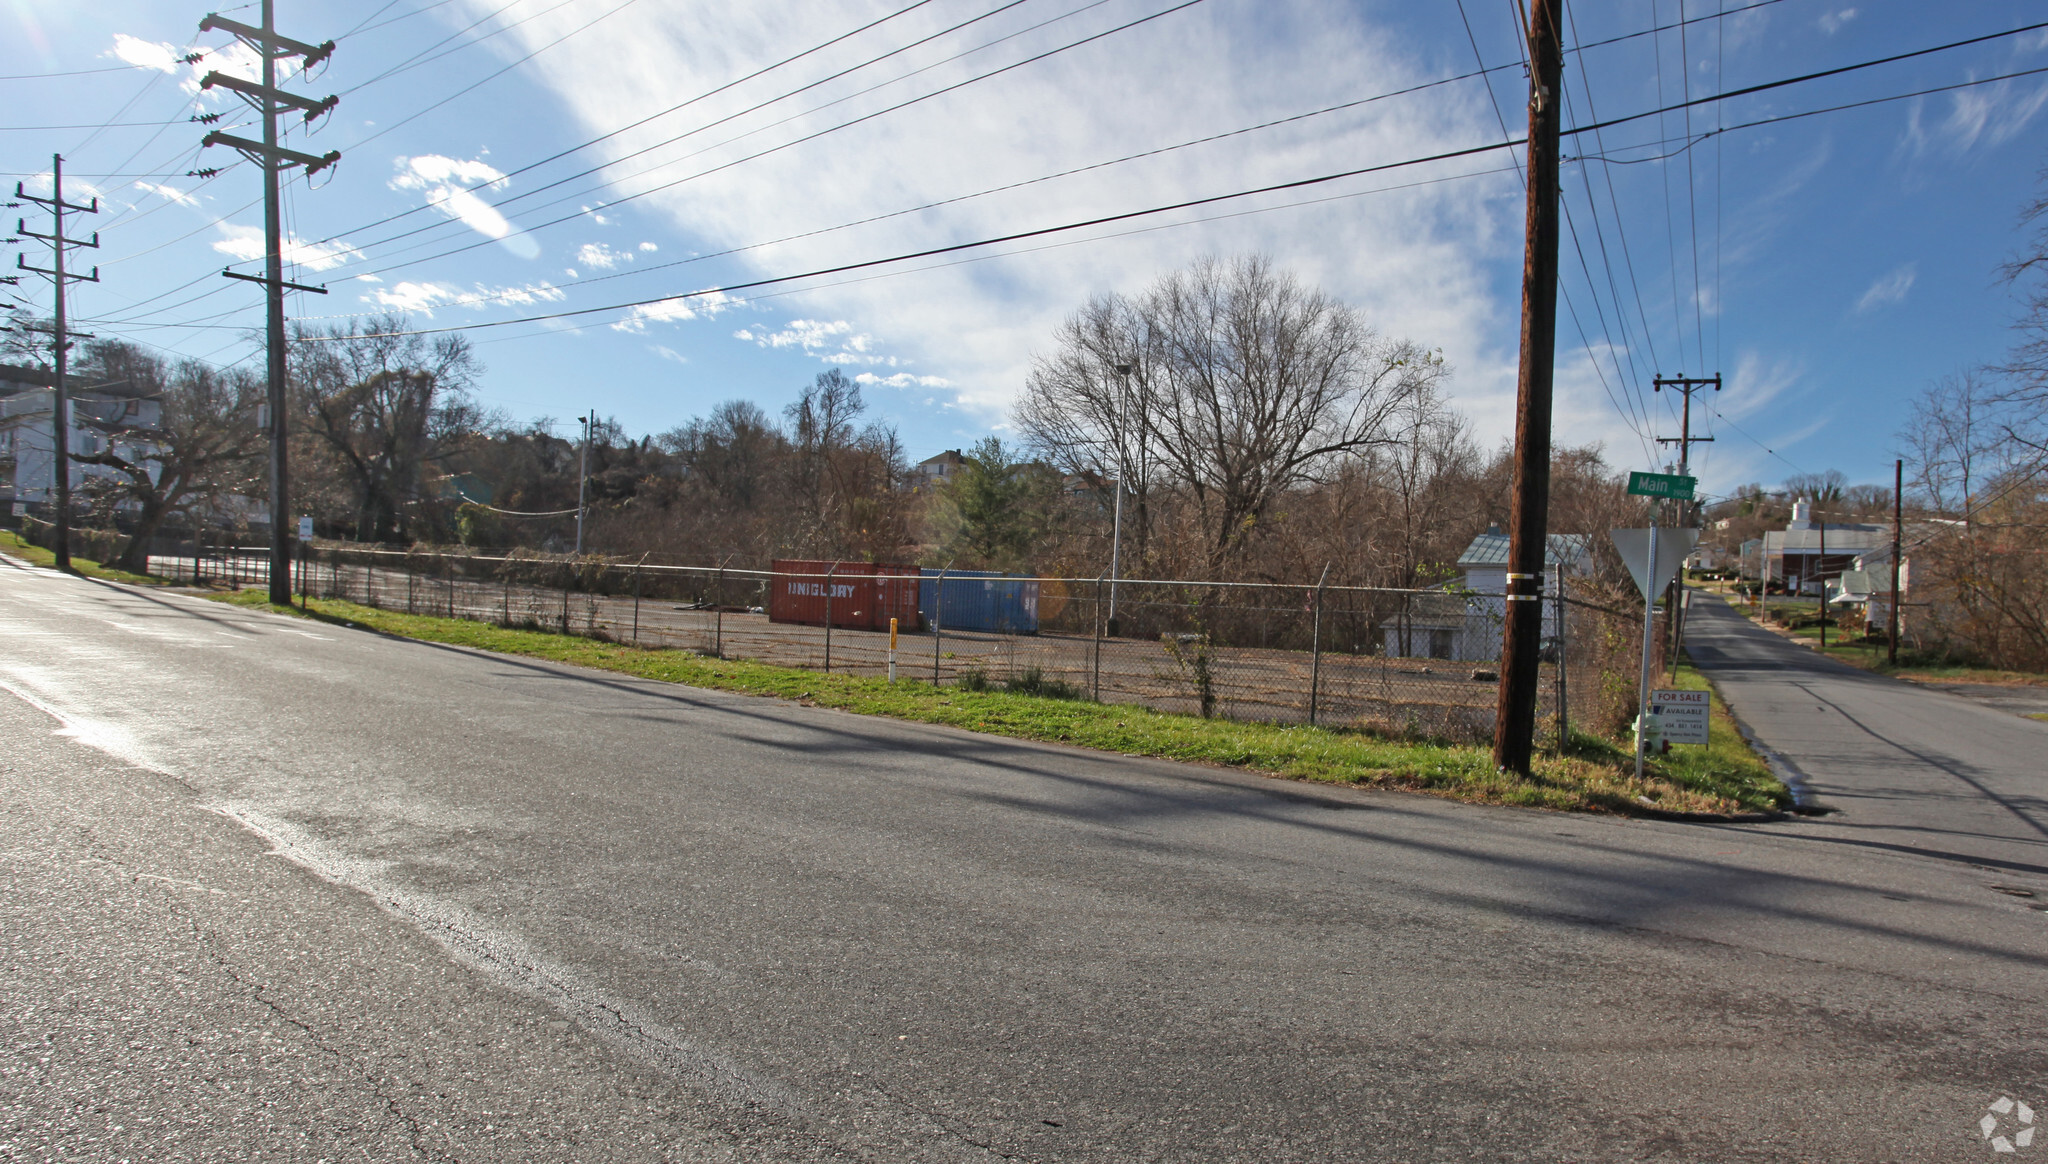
x=980, y=600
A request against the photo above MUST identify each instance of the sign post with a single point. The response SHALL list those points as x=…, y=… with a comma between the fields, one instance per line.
x=892, y=650
x=1649, y=629
x=1670, y=487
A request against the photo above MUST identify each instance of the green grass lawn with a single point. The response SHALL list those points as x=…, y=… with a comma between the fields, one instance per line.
x=1595, y=776
x=13, y=543
x=1918, y=666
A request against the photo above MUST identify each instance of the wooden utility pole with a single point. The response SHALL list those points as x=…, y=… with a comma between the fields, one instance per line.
x=1674, y=621
x=1898, y=524
x=60, y=342
x=1514, y=729
x=273, y=159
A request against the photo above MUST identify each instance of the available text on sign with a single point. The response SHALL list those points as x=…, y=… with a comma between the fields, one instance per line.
x=1682, y=715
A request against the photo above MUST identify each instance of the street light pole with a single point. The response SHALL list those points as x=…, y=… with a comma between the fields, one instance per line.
x=1116, y=521
x=582, y=479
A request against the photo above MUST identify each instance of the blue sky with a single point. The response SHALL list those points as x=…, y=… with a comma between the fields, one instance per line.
x=1844, y=261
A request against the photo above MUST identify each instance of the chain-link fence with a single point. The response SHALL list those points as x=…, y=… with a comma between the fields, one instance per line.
x=1407, y=662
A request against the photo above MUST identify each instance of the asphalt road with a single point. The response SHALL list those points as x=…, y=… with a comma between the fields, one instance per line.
x=277, y=890
x=1905, y=768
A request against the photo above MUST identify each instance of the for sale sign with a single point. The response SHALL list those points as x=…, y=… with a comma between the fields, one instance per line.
x=1682, y=715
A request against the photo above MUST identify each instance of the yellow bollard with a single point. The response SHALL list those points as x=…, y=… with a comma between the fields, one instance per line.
x=892, y=650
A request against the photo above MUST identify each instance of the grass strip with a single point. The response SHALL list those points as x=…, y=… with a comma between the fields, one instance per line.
x=35, y=555
x=1914, y=665
x=1593, y=776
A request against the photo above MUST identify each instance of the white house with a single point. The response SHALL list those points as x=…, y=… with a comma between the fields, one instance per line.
x=1466, y=624
x=101, y=416
x=1805, y=555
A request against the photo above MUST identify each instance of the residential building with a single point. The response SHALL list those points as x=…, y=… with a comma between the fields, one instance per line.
x=1465, y=622
x=1805, y=555
x=102, y=416
x=934, y=471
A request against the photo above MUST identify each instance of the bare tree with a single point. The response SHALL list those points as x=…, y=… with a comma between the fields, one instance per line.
x=205, y=443
x=1951, y=440
x=1248, y=385
x=1086, y=418
x=731, y=453
x=384, y=406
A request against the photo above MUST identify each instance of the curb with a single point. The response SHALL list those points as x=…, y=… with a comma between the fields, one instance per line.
x=1651, y=812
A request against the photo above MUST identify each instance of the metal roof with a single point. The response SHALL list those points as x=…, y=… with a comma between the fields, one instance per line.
x=1491, y=549
x=1841, y=539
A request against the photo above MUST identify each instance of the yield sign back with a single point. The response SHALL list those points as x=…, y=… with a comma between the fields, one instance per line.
x=1672, y=547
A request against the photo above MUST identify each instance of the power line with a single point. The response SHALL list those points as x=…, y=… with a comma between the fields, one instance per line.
x=416, y=59
x=439, y=225
x=652, y=117
x=1296, y=184
x=1692, y=204
x=1184, y=4
x=480, y=186
x=202, y=323
x=1593, y=128
x=492, y=76
x=1156, y=151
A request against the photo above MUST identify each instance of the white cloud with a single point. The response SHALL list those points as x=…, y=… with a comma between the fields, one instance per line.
x=448, y=185
x=243, y=243
x=145, y=54
x=601, y=256
x=649, y=247
x=1418, y=263
x=1889, y=289
x=903, y=380
x=668, y=353
x=672, y=311
x=407, y=295
x=1987, y=114
x=170, y=193
x=1833, y=22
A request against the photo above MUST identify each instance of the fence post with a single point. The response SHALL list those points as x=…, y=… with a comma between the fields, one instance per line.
x=1564, y=723
x=1096, y=664
x=567, y=581
x=410, y=583
x=939, y=620
x=636, y=597
x=1315, y=641
x=718, y=613
x=829, y=571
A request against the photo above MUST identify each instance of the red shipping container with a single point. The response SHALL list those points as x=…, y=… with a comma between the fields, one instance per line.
x=864, y=595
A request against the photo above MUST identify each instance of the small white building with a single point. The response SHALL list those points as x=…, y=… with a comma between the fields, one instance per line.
x=1466, y=624
x=1805, y=555
x=101, y=417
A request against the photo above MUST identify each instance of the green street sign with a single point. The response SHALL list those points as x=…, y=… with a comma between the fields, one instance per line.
x=1668, y=485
